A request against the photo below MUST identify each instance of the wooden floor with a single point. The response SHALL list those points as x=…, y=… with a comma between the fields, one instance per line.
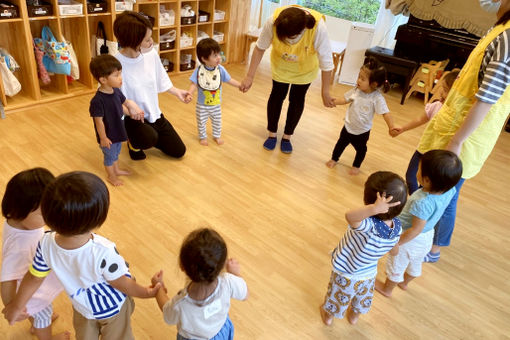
x=280, y=214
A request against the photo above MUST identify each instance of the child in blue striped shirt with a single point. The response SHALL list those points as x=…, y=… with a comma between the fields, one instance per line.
x=373, y=231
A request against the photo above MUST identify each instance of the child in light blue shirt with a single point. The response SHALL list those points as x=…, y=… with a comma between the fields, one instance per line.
x=438, y=173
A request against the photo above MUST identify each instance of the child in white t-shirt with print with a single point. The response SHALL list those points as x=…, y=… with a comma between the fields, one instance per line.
x=438, y=173
x=95, y=277
x=23, y=228
x=365, y=101
x=208, y=78
x=200, y=310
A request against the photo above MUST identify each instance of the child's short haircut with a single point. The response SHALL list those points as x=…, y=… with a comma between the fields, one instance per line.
x=377, y=73
x=206, y=47
x=103, y=65
x=442, y=167
x=389, y=183
x=450, y=77
x=75, y=203
x=24, y=192
x=203, y=255
x=291, y=22
x=130, y=28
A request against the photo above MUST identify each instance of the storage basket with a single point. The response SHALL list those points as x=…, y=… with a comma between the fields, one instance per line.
x=218, y=36
x=167, y=40
x=166, y=16
x=203, y=16
x=219, y=15
x=201, y=35
x=167, y=64
x=188, y=20
x=186, y=41
x=71, y=8
x=96, y=7
x=187, y=66
x=39, y=8
x=8, y=10
x=121, y=6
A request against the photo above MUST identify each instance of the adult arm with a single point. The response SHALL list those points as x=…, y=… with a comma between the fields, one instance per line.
x=322, y=45
x=183, y=95
x=327, y=100
x=256, y=57
x=382, y=205
x=473, y=119
x=134, y=111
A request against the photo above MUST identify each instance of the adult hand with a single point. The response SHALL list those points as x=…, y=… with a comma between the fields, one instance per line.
x=136, y=113
x=246, y=84
x=327, y=100
x=397, y=130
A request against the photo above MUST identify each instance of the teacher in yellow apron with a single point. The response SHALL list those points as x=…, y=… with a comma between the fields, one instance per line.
x=300, y=46
x=473, y=114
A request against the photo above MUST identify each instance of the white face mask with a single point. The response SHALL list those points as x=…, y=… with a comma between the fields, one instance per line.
x=490, y=6
x=296, y=39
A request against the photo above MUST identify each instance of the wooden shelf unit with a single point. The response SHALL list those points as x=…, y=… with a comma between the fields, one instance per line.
x=16, y=37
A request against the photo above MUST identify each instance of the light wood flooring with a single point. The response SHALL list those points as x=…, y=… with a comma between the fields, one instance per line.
x=280, y=214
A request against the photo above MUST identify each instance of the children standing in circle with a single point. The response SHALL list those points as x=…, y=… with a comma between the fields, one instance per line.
x=107, y=108
x=365, y=100
x=373, y=231
x=438, y=173
x=23, y=228
x=94, y=275
x=208, y=78
x=200, y=310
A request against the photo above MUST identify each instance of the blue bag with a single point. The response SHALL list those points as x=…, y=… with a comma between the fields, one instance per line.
x=56, y=57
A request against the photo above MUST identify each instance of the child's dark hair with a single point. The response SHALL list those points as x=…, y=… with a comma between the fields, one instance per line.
x=104, y=65
x=442, y=167
x=389, y=183
x=24, y=192
x=292, y=21
x=450, y=78
x=75, y=203
x=206, y=47
x=203, y=255
x=377, y=73
x=130, y=28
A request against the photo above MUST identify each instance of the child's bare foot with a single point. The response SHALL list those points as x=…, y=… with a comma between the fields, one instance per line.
x=123, y=172
x=114, y=181
x=62, y=336
x=325, y=316
x=204, y=142
x=331, y=164
x=354, y=171
x=352, y=317
x=402, y=285
x=381, y=288
x=219, y=141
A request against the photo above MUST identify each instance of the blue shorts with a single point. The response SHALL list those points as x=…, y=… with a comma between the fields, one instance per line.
x=226, y=332
x=111, y=155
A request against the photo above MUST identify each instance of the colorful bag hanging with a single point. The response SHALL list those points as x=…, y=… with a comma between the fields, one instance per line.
x=43, y=73
x=11, y=84
x=56, y=54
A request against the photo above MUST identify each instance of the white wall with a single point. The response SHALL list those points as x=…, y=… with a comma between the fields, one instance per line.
x=338, y=29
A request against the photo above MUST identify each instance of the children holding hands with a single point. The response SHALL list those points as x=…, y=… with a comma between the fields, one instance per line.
x=207, y=78
x=365, y=101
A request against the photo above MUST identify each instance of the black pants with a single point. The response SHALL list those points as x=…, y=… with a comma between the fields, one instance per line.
x=160, y=134
x=358, y=141
x=296, y=105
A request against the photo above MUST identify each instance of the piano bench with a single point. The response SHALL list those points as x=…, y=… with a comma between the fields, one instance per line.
x=394, y=65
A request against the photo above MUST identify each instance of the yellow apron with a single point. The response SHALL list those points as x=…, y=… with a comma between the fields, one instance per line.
x=298, y=63
x=443, y=126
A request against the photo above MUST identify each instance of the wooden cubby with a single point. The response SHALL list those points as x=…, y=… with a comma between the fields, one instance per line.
x=16, y=37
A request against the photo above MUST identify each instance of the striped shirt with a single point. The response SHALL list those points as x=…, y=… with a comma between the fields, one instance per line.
x=84, y=273
x=360, y=248
x=494, y=75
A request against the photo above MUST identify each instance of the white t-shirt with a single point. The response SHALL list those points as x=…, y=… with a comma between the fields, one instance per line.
x=84, y=273
x=18, y=249
x=204, y=319
x=321, y=43
x=143, y=78
x=361, y=111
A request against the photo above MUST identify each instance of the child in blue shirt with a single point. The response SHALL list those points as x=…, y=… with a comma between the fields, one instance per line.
x=207, y=78
x=438, y=173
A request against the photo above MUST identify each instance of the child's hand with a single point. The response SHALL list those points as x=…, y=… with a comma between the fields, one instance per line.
x=382, y=204
x=233, y=267
x=158, y=277
x=395, y=131
x=13, y=315
x=394, y=250
x=105, y=143
x=151, y=291
x=189, y=97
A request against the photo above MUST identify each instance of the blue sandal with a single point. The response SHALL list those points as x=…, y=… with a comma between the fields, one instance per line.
x=270, y=143
x=286, y=146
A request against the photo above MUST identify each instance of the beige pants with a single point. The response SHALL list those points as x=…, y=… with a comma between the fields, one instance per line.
x=117, y=327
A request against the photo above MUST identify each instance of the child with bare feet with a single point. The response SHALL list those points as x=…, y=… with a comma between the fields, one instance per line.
x=23, y=228
x=365, y=101
x=200, y=310
x=373, y=231
x=207, y=78
x=108, y=108
x=438, y=173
